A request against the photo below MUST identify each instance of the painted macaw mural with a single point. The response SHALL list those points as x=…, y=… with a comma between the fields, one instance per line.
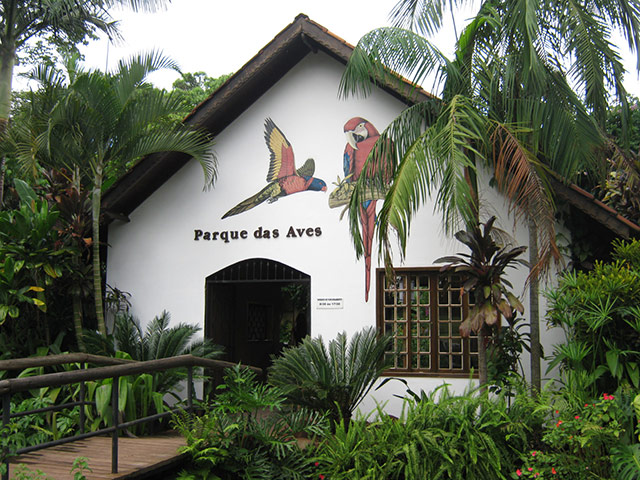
x=361, y=138
x=283, y=178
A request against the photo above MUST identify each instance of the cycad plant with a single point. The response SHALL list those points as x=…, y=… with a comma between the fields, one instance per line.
x=483, y=270
x=333, y=378
x=159, y=340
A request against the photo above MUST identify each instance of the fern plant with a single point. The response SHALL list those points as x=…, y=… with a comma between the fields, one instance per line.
x=333, y=378
x=246, y=432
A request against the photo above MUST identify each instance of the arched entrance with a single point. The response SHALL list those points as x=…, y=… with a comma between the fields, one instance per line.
x=256, y=307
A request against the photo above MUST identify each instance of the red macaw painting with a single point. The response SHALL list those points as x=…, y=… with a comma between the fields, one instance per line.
x=283, y=178
x=361, y=138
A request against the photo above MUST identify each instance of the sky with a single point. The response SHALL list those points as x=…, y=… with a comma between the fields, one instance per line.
x=220, y=36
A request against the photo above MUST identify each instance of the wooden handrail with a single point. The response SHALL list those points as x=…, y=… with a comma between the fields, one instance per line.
x=15, y=385
x=121, y=369
x=61, y=359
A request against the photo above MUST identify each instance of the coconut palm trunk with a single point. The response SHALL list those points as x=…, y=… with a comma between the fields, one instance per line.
x=96, y=198
x=534, y=309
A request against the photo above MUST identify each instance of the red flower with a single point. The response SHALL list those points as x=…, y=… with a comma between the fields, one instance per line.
x=317, y=463
x=321, y=476
x=533, y=454
x=553, y=470
x=519, y=472
x=577, y=417
x=530, y=468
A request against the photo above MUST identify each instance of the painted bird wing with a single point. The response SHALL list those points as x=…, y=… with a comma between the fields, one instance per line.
x=281, y=162
x=308, y=169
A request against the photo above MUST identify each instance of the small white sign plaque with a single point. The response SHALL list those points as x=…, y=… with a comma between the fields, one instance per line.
x=330, y=303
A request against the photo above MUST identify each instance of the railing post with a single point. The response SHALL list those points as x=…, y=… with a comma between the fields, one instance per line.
x=82, y=397
x=6, y=418
x=190, y=389
x=114, y=416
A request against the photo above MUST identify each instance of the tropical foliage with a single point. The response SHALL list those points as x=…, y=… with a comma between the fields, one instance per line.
x=333, y=378
x=483, y=270
x=598, y=310
x=524, y=96
x=247, y=432
x=159, y=340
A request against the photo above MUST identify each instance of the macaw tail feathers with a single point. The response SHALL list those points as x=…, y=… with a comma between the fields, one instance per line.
x=270, y=191
x=368, y=222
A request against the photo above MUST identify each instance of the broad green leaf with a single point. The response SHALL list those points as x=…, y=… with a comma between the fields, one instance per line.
x=25, y=192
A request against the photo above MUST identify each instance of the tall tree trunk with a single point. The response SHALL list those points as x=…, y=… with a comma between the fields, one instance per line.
x=7, y=59
x=77, y=321
x=483, y=375
x=3, y=162
x=96, y=198
x=534, y=309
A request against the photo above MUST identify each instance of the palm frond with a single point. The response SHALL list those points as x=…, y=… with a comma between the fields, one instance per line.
x=516, y=173
x=381, y=53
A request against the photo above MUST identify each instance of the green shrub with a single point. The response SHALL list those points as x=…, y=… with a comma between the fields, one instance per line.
x=439, y=436
x=593, y=440
x=599, y=312
x=333, y=379
x=247, y=433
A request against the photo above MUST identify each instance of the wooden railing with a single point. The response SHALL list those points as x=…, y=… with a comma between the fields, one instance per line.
x=114, y=368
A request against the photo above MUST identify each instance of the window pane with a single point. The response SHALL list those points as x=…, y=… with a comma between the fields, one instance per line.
x=456, y=345
x=389, y=298
x=443, y=330
x=424, y=281
x=424, y=297
x=456, y=313
x=400, y=298
x=425, y=361
x=456, y=362
x=443, y=297
x=388, y=313
x=455, y=297
x=425, y=329
x=473, y=360
x=444, y=346
x=444, y=361
x=443, y=313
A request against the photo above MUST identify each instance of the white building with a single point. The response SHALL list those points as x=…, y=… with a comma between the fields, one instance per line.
x=171, y=248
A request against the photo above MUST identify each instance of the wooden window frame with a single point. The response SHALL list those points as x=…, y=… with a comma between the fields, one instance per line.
x=434, y=369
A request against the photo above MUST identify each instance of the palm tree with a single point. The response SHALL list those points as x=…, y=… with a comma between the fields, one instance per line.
x=106, y=121
x=524, y=97
x=65, y=22
x=159, y=340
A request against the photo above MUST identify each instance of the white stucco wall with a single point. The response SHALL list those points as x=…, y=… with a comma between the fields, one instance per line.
x=155, y=257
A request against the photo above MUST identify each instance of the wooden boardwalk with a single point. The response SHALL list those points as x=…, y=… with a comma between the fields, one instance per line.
x=137, y=457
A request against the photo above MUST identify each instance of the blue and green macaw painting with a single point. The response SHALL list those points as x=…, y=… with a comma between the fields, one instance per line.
x=283, y=178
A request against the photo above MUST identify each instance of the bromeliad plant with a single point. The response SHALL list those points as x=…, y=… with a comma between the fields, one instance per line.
x=483, y=270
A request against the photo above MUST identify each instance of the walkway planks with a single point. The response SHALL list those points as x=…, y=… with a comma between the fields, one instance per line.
x=137, y=457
